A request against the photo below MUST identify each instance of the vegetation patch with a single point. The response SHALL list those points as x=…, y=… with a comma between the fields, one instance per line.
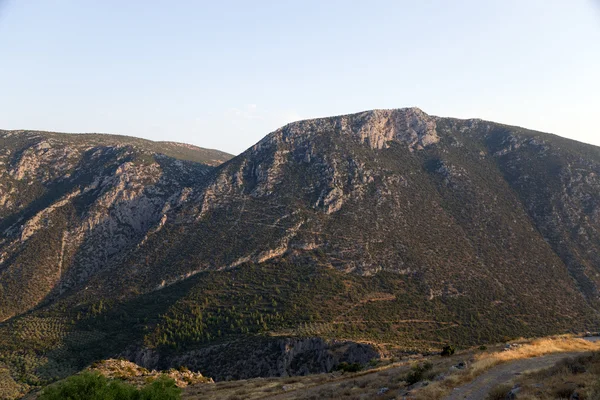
x=93, y=386
x=139, y=376
x=349, y=367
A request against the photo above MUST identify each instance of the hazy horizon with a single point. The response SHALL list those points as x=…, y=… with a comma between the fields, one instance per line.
x=223, y=76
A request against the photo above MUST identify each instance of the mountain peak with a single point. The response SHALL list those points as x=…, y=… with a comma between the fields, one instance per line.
x=375, y=128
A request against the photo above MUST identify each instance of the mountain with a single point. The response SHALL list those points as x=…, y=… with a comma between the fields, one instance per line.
x=330, y=240
x=71, y=204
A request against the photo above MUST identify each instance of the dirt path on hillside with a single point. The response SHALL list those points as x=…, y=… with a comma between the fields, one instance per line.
x=372, y=299
x=480, y=387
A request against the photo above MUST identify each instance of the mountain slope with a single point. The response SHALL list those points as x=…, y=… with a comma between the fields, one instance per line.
x=390, y=227
x=72, y=204
x=398, y=191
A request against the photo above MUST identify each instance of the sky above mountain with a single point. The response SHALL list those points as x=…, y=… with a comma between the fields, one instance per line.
x=223, y=74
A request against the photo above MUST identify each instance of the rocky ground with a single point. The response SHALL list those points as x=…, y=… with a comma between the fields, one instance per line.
x=471, y=374
x=139, y=376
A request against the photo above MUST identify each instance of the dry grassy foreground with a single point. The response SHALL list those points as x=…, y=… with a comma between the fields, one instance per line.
x=388, y=381
x=572, y=377
x=485, y=361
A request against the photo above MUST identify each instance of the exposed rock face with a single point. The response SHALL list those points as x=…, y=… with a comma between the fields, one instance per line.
x=139, y=376
x=71, y=207
x=262, y=358
x=376, y=128
x=312, y=184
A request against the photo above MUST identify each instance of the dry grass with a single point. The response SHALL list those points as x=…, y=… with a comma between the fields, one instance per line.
x=350, y=386
x=485, y=361
x=366, y=384
x=499, y=392
x=579, y=374
x=540, y=347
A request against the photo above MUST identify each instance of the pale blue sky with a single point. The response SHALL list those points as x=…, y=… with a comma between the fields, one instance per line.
x=223, y=74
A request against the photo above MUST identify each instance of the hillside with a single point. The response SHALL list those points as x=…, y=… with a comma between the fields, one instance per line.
x=330, y=240
x=71, y=205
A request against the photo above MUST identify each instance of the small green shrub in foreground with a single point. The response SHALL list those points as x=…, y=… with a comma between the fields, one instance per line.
x=93, y=386
x=346, y=367
x=419, y=372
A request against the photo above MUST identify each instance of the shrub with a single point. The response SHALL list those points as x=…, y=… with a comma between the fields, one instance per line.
x=564, y=391
x=483, y=348
x=93, y=386
x=346, y=367
x=572, y=365
x=499, y=392
x=89, y=386
x=163, y=388
x=417, y=373
x=448, y=350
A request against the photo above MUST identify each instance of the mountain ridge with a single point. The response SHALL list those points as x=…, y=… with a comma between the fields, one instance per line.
x=48, y=173
x=419, y=110
x=218, y=156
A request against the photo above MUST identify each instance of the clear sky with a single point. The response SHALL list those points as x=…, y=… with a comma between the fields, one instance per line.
x=223, y=74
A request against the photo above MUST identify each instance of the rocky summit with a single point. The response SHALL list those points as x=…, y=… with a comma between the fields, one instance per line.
x=331, y=240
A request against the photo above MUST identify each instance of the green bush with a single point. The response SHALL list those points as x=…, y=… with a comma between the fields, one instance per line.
x=163, y=388
x=93, y=386
x=374, y=362
x=448, y=350
x=346, y=367
x=418, y=372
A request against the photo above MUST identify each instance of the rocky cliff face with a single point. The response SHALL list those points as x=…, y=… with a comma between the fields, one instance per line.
x=72, y=207
x=265, y=358
x=395, y=190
